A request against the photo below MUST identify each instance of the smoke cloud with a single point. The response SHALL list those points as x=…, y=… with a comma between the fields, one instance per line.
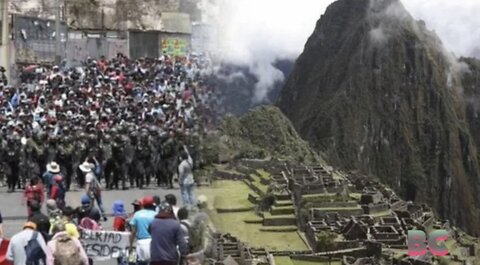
x=256, y=33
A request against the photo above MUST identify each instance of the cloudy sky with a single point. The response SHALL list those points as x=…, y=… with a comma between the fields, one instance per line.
x=283, y=26
x=257, y=32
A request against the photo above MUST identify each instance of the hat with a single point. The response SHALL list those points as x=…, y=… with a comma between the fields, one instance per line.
x=86, y=167
x=30, y=225
x=164, y=207
x=118, y=208
x=148, y=201
x=85, y=199
x=53, y=167
x=202, y=200
x=51, y=204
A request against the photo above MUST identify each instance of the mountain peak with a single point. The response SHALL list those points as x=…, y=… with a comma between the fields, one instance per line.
x=374, y=90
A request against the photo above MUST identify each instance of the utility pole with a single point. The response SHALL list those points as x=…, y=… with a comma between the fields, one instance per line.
x=5, y=53
x=58, y=37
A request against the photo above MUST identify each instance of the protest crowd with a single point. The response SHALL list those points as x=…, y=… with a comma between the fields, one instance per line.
x=108, y=124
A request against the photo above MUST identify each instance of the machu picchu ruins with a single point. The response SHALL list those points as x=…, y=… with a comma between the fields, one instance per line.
x=331, y=217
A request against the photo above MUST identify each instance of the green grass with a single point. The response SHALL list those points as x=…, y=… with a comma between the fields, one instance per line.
x=227, y=194
x=264, y=174
x=234, y=224
x=224, y=168
x=270, y=216
x=382, y=214
x=289, y=261
x=234, y=194
x=355, y=196
x=283, y=261
x=321, y=197
x=303, y=262
x=338, y=176
x=258, y=184
x=279, y=229
x=338, y=208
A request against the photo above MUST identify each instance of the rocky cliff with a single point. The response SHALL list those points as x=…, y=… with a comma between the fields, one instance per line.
x=375, y=90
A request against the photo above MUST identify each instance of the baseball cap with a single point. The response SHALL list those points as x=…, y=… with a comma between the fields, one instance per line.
x=148, y=201
x=85, y=199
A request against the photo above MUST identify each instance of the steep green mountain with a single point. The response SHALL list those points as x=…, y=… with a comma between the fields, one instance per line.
x=374, y=90
x=261, y=133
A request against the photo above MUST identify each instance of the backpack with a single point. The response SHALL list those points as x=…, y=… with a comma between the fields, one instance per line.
x=62, y=190
x=34, y=252
x=95, y=186
x=67, y=252
x=88, y=223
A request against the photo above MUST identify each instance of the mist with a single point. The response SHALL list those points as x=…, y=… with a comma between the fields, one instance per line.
x=257, y=33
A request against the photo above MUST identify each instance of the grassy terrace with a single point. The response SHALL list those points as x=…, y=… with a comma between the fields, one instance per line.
x=289, y=261
x=258, y=184
x=234, y=194
x=382, y=214
x=264, y=174
x=222, y=195
x=355, y=196
x=338, y=208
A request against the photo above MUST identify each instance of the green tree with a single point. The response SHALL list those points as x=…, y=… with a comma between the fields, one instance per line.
x=326, y=240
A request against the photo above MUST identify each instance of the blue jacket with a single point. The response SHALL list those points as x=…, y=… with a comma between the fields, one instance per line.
x=166, y=236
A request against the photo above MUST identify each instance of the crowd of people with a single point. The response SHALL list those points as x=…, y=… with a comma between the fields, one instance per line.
x=108, y=124
x=132, y=119
x=161, y=233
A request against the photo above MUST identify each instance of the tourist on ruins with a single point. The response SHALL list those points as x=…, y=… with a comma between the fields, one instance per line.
x=139, y=226
x=16, y=252
x=65, y=248
x=186, y=180
x=167, y=235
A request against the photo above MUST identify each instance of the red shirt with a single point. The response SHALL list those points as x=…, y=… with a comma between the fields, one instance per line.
x=33, y=192
x=54, y=192
x=3, y=252
x=119, y=223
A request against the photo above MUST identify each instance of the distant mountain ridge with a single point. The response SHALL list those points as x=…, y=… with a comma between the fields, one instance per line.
x=375, y=90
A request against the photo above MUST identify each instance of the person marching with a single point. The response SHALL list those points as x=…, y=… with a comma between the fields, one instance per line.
x=58, y=191
x=92, y=186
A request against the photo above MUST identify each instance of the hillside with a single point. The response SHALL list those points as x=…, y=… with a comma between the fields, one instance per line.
x=375, y=90
x=265, y=132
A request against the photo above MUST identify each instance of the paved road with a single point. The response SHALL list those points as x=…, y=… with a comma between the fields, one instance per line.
x=15, y=214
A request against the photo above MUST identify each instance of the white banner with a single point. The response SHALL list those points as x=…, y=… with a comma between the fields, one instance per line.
x=104, y=245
